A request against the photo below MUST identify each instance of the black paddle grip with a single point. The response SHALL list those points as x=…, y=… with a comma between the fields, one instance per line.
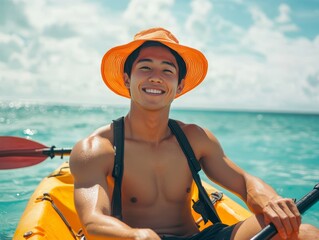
x=303, y=205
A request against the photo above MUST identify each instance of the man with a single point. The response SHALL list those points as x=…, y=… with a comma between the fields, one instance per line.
x=153, y=70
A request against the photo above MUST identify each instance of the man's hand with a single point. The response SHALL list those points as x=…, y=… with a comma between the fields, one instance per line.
x=284, y=214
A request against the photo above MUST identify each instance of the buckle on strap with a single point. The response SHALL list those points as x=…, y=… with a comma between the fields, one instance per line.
x=199, y=207
x=216, y=196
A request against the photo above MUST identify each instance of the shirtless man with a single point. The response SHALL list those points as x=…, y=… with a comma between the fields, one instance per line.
x=155, y=196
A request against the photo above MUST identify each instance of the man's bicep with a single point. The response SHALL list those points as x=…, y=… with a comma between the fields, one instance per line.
x=91, y=200
x=219, y=168
x=226, y=173
x=90, y=166
x=91, y=194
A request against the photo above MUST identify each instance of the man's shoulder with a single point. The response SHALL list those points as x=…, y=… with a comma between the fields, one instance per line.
x=102, y=132
x=97, y=140
x=198, y=136
x=192, y=129
x=95, y=149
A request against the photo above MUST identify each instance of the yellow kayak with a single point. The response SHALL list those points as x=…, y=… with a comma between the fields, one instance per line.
x=50, y=212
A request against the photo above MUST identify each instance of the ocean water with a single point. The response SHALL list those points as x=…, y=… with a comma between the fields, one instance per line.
x=280, y=148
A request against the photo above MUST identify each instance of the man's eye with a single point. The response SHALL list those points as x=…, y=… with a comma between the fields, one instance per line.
x=145, y=68
x=168, y=71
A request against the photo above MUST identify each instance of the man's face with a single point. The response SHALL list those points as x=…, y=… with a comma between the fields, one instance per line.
x=154, y=77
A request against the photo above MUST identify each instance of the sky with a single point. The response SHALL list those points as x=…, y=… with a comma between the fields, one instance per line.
x=263, y=55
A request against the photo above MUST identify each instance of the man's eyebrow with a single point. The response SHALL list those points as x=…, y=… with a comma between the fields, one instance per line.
x=170, y=63
x=150, y=60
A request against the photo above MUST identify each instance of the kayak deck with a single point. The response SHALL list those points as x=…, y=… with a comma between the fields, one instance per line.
x=50, y=212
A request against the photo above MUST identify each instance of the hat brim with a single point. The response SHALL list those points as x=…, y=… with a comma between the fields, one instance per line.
x=112, y=66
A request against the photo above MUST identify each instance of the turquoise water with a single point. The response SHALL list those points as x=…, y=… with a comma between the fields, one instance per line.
x=282, y=149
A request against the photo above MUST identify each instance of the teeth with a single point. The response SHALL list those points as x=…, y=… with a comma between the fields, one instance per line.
x=155, y=91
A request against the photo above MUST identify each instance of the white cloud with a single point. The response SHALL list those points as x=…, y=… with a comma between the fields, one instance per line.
x=56, y=54
x=141, y=14
x=58, y=67
x=10, y=38
x=265, y=69
x=260, y=18
x=284, y=20
x=197, y=28
x=284, y=13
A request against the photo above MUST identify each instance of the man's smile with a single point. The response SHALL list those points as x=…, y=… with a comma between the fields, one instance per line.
x=153, y=91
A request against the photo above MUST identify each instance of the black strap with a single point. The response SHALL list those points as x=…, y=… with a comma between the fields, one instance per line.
x=195, y=168
x=118, y=135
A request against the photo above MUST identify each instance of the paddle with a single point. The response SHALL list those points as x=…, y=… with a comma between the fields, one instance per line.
x=303, y=205
x=16, y=152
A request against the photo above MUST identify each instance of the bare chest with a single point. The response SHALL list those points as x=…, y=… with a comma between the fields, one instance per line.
x=155, y=175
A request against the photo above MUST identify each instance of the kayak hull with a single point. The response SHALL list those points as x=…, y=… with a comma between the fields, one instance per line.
x=50, y=212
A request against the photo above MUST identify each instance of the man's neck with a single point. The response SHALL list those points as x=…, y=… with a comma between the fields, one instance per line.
x=147, y=126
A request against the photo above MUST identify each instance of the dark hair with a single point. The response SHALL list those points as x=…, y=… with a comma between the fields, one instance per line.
x=133, y=56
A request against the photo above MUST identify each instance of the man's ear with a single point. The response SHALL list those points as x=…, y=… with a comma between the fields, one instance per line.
x=180, y=86
x=127, y=81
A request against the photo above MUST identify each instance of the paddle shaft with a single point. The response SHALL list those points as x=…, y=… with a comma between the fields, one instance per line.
x=50, y=152
x=17, y=152
x=303, y=205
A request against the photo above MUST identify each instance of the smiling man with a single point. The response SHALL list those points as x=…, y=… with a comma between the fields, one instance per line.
x=126, y=182
x=155, y=64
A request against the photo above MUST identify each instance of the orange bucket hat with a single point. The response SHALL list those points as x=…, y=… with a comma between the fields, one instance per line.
x=112, y=67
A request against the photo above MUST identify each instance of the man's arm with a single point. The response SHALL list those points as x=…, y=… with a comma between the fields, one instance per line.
x=259, y=196
x=91, y=162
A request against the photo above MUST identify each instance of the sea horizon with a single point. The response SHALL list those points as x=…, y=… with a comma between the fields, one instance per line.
x=17, y=103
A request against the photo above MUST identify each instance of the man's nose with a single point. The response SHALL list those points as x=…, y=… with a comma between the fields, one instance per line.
x=155, y=78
